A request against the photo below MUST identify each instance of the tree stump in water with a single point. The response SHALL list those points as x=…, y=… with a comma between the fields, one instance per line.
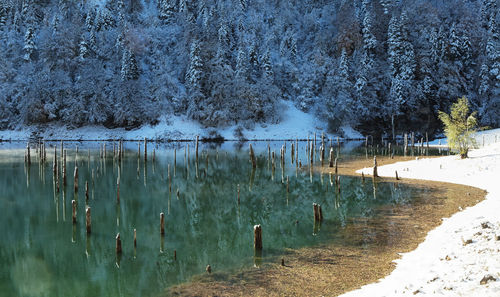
x=318, y=214
x=162, y=223
x=88, y=222
x=257, y=237
x=375, y=170
x=118, y=244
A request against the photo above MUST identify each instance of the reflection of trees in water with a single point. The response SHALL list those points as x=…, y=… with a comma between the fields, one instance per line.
x=205, y=224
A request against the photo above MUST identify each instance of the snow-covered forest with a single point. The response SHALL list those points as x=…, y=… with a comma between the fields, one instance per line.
x=362, y=63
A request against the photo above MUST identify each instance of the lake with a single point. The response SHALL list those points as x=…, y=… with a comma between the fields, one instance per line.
x=209, y=206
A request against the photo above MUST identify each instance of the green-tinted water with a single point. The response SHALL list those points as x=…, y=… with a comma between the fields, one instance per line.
x=44, y=254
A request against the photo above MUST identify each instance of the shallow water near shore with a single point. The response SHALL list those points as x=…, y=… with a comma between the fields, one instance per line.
x=44, y=254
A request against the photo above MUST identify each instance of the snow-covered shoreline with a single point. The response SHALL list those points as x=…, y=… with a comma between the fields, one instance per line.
x=295, y=124
x=460, y=257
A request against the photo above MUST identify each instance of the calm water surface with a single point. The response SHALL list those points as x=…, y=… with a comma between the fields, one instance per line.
x=44, y=254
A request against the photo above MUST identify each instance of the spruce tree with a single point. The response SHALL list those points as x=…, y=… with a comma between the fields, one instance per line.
x=29, y=44
x=130, y=70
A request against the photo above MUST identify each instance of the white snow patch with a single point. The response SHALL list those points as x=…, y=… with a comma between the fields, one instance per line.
x=295, y=124
x=442, y=265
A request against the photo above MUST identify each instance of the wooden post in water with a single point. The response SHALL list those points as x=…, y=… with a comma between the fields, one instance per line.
x=375, y=171
x=73, y=206
x=135, y=238
x=397, y=177
x=88, y=222
x=405, y=143
x=175, y=159
x=331, y=157
x=318, y=213
x=287, y=185
x=64, y=169
x=427, y=141
x=311, y=160
x=336, y=167
x=29, y=153
x=118, y=244
x=197, y=140
x=362, y=177
x=86, y=192
x=238, y=194
x=75, y=176
x=162, y=223
x=252, y=157
x=118, y=189
x=257, y=237
x=145, y=149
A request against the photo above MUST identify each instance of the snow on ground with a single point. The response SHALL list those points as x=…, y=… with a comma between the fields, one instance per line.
x=295, y=124
x=443, y=265
x=482, y=138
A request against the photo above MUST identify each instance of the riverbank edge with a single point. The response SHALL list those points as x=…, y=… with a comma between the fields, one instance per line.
x=257, y=280
x=445, y=264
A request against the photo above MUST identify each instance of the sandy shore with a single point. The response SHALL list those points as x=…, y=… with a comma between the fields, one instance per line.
x=460, y=257
x=332, y=269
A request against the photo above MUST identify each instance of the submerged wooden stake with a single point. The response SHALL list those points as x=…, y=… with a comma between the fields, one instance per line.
x=175, y=255
x=318, y=213
x=64, y=169
x=375, y=171
x=88, y=222
x=197, y=140
x=257, y=237
x=29, y=154
x=73, y=205
x=86, y=191
x=118, y=190
x=162, y=223
x=118, y=244
x=135, y=238
x=75, y=175
x=145, y=149
x=397, y=177
x=252, y=157
x=238, y=194
x=362, y=177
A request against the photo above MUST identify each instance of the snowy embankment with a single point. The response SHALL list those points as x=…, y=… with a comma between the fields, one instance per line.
x=295, y=124
x=462, y=256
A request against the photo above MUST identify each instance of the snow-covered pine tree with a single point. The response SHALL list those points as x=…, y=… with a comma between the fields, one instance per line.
x=220, y=106
x=267, y=68
x=194, y=77
x=254, y=62
x=166, y=10
x=89, y=20
x=454, y=44
x=84, y=50
x=29, y=44
x=121, y=12
x=129, y=70
x=3, y=15
x=243, y=4
x=369, y=40
x=339, y=100
x=394, y=41
x=241, y=65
